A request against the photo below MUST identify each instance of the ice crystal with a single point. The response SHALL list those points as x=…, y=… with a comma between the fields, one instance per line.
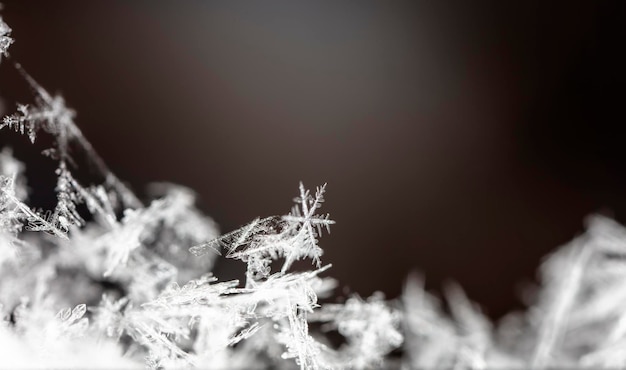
x=104, y=280
x=5, y=38
x=293, y=236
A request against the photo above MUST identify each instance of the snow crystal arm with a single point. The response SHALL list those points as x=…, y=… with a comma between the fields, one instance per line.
x=36, y=222
x=308, y=226
x=564, y=273
x=55, y=117
x=232, y=240
x=65, y=213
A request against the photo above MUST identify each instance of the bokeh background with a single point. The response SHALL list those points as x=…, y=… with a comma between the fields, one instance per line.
x=464, y=140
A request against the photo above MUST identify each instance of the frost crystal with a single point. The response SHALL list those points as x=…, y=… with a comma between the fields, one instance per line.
x=103, y=280
x=5, y=38
x=292, y=237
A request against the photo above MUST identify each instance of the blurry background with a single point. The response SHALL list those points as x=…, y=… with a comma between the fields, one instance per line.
x=464, y=140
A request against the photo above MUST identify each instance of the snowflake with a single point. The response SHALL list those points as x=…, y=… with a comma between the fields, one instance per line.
x=5, y=38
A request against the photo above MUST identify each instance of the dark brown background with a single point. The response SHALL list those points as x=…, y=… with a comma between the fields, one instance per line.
x=462, y=139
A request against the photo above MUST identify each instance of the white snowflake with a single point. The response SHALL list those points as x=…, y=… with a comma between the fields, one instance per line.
x=5, y=38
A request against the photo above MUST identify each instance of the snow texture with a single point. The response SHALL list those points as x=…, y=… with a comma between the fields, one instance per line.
x=106, y=281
